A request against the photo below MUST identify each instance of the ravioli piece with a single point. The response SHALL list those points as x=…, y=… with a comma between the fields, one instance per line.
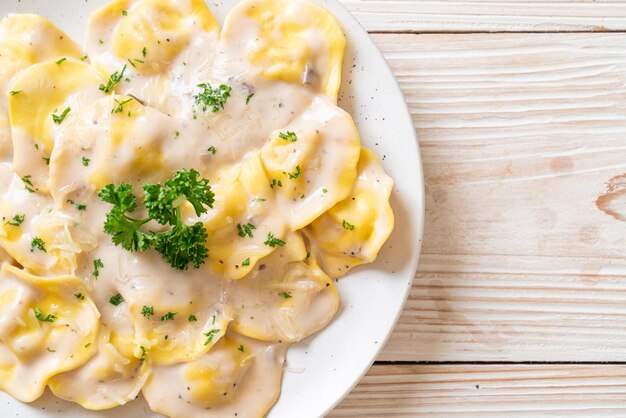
x=178, y=335
x=243, y=220
x=158, y=44
x=286, y=298
x=354, y=230
x=239, y=376
x=21, y=45
x=113, y=377
x=45, y=329
x=49, y=92
x=312, y=162
x=36, y=234
x=291, y=41
x=27, y=39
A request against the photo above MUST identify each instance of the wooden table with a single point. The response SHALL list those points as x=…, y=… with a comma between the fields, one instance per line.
x=519, y=302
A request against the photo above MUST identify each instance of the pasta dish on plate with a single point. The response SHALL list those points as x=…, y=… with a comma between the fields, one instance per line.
x=177, y=202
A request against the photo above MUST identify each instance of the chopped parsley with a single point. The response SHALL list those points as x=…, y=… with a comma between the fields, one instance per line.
x=272, y=241
x=39, y=244
x=120, y=105
x=143, y=351
x=210, y=335
x=289, y=136
x=275, y=183
x=78, y=206
x=245, y=230
x=192, y=318
x=97, y=265
x=212, y=150
x=79, y=296
x=84, y=58
x=46, y=159
x=240, y=348
x=147, y=311
x=114, y=78
x=347, y=225
x=15, y=92
x=249, y=97
x=295, y=174
x=168, y=316
x=180, y=245
x=44, y=318
x=258, y=200
x=17, y=220
x=61, y=61
x=285, y=295
x=28, y=183
x=58, y=119
x=87, y=345
x=144, y=51
x=324, y=190
x=125, y=12
x=177, y=134
x=213, y=98
x=246, y=262
x=52, y=350
x=116, y=300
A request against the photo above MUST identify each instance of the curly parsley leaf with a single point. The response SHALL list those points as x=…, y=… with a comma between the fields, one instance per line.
x=214, y=98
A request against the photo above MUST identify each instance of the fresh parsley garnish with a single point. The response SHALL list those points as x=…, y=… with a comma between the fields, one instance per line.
x=275, y=183
x=97, y=265
x=114, y=78
x=120, y=105
x=180, y=245
x=44, y=318
x=245, y=230
x=347, y=225
x=246, y=262
x=17, y=220
x=192, y=318
x=240, y=348
x=285, y=295
x=58, y=119
x=168, y=316
x=296, y=174
x=46, y=159
x=144, y=51
x=210, y=335
x=28, y=184
x=147, y=311
x=61, y=61
x=143, y=351
x=78, y=206
x=272, y=241
x=214, y=98
x=289, y=136
x=15, y=92
x=249, y=97
x=79, y=296
x=212, y=150
x=116, y=300
x=38, y=243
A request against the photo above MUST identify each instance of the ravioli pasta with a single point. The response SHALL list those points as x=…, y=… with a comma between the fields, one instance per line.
x=295, y=202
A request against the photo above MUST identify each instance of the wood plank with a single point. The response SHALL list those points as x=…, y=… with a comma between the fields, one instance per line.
x=520, y=134
x=482, y=390
x=489, y=15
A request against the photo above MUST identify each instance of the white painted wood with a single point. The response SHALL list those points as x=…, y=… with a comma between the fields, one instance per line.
x=519, y=135
x=493, y=391
x=489, y=15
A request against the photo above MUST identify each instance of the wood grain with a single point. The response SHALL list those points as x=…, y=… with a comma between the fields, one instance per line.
x=489, y=15
x=519, y=135
x=482, y=390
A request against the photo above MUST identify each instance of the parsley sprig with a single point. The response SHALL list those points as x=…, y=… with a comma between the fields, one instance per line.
x=180, y=245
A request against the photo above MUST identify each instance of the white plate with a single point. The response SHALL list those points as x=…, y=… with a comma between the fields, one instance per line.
x=324, y=368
